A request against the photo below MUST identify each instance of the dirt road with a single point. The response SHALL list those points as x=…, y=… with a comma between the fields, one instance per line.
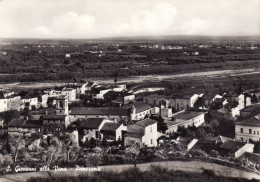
x=191, y=166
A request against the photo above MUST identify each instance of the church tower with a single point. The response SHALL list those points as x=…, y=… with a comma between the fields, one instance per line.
x=62, y=106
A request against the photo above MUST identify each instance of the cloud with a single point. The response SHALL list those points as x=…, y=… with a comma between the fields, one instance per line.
x=69, y=24
x=195, y=26
x=154, y=21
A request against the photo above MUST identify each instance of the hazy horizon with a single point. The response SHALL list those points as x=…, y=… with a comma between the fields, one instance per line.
x=101, y=19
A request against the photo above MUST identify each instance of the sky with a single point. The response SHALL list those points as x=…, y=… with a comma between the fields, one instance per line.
x=112, y=18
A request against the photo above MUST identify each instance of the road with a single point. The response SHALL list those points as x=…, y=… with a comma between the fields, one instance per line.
x=191, y=166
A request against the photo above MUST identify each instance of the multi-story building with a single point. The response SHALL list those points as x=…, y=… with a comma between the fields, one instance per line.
x=143, y=133
x=248, y=129
x=184, y=119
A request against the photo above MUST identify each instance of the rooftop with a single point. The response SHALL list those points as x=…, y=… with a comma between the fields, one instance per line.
x=99, y=111
x=90, y=123
x=110, y=126
x=23, y=124
x=139, y=106
x=254, y=121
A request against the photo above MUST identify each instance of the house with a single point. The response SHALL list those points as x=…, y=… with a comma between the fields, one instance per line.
x=9, y=101
x=185, y=102
x=236, y=148
x=89, y=128
x=113, y=131
x=43, y=100
x=29, y=101
x=70, y=92
x=209, y=98
x=54, y=123
x=118, y=97
x=186, y=143
x=248, y=129
x=99, y=112
x=23, y=127
x=161, y=101
x=219, y=103
x=184, y=119
x=139, y=110
x=143, y=132
x=249, y=111
x=99, y=92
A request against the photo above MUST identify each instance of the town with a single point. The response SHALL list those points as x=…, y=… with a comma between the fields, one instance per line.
x=88, y=124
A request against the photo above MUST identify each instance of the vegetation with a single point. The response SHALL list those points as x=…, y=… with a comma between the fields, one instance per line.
x=154, y=174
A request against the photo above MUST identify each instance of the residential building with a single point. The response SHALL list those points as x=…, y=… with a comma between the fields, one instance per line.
x=184, y=119
x=99, y=112
x=185, y=102
x=139, y=110
x=70, y=93
x=23, y=127
x=143, y=133
x=113, y=131
x=248, y=129
x=29, y=101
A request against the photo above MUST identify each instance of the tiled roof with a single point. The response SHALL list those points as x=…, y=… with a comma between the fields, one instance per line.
x=187, y=115
x=251, y=108
x=139, y=106
x=134, y=135
x=232, y=145
x=61, y=117
x=23, y=124
x=67, y=89
x=90, y=123
x=99, y=111
x=139, y=126
x=254, y=121
x=208, y=96
x=110, y=126
x=146, y=122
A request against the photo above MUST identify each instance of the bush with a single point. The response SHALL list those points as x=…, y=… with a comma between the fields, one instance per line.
x=214, y=153
x=93, y=160
x=198, y=153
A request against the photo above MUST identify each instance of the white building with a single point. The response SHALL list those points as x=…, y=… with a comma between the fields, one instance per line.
x=70, y=93
x=143, y=132
x=248, y=129
x=184, y=119
x=186, y=102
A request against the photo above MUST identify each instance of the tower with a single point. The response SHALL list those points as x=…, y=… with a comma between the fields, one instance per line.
x=62, y=107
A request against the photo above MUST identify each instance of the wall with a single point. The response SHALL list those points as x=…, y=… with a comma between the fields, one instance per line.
x=150, y=135
x=246, y=148
x=3, y=105
x=191, y=144
x=246, y=135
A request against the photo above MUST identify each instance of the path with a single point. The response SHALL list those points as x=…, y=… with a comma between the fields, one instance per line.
x=191, y=166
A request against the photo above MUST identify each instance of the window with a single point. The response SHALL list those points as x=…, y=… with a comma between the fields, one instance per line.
x=242, y=139
x=254, y=132
x=250, y=131
x=151, y=141
x=258, y=132
x=241, y=130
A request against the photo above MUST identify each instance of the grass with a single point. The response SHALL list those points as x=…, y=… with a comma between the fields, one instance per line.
x=154, y=174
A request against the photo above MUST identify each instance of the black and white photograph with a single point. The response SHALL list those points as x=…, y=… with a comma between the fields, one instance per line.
x=129, y=90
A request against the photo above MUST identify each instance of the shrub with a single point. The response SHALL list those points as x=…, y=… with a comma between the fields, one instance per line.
x=198, y=153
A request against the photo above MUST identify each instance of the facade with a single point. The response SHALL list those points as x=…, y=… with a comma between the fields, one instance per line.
x=22, y=127
x=99, y=112
x=139, y=110
x=248, y=129
x=29, y=102
x=113, y=131
x=143, y=132
x=70, y=93
x=186, y=102
x=184, y=119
